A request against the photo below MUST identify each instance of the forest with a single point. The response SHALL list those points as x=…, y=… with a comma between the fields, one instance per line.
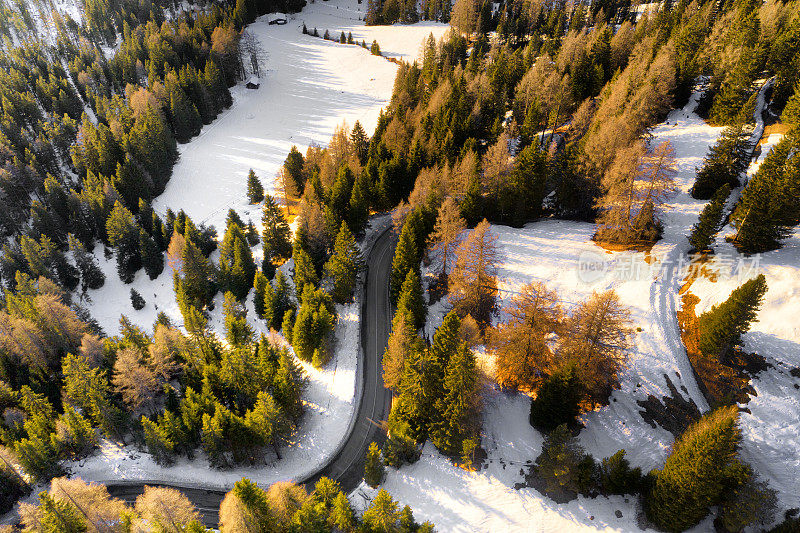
x=525, y=110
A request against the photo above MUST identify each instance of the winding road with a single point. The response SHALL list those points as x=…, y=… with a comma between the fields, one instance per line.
x=347, y=464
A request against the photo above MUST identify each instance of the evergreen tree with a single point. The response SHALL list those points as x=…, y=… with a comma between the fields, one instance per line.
x=557, y=401
x=275, y=234
x=255, y=191
x=186, y=121
x=411, y=300
x=236, y=266
x=407, y=257
x=343, y=266
x=696, y=473
x=152, y=258
x=123, y=235
x=563, y=465
x=293, y=165
x=373, y=466
x=158, y=442
x=459, y=405
x=710, y=220
x=237, y=331
x=137, y=302
x=262, y=286
x=382, y=514
x=75, y=435
x=58, y=516
x=91, y=275
x=723, y=164
x=721, y=328
x=304, y=271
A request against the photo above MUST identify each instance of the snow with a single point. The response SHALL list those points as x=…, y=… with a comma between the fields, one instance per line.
x=558, y=253
x=308, y=87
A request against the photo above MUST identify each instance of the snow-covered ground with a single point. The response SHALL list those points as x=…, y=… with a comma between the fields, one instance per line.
x=560, y=254
x=308, y=87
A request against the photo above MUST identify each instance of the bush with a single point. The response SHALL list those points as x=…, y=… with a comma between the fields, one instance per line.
x=137, y=301
x=557, y=401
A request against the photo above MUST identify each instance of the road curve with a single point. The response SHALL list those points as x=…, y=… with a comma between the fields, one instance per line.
x=346, y=466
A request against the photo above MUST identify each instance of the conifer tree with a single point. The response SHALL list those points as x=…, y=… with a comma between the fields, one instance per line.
x=57, y=515
x=91, y=275
x=563, y=465
x=186, y=121
x=696, y=473
x=358, y=208
x=293, y=165
x=474, y=278
x=246, y=509
x=275, y=234
x=158, y=442
x=446, y=236
x=152, y=258
x=723, y=164
x=341, y=515
x=411, y=300
x=343, y=266
x=137, y=302
x=304, y=272
x=710, y=220
x=721, y=328
x=402, y=343
x=382, y=514
x=123, y=235
x=557, y=400
x=373, y=466
x=459, y=405
x=255, y=191
x=74, y=433
x=406, y=257
x=237, y=331
x=261, y=286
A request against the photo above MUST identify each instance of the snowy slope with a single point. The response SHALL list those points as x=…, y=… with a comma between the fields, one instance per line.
x=308, y=87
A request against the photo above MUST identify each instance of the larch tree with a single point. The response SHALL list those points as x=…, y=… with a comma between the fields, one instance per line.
x=446, y=236
x=165, y=509
x=597, y=338
x=635, y=189
x=520, y=345
x=473, y=282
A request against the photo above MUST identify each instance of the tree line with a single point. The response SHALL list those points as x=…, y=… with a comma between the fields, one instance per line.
x=73, y=505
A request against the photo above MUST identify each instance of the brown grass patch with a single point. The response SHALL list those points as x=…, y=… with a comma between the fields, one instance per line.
x=633, y=247
x=777, y=127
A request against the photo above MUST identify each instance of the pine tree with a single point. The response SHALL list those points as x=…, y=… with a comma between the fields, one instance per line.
x=275, y=234
x=382, y=514
x=246, y=509
x=723, y=164
x=407, y=257
x=158, y=442
x=558, y=400
x=255, y=191
x=186, y=121
x=563, y=465
x=91, y=275
x=375, y=49
x=411, y=300
x=304, y=271
x=358, y=136
x=152, y=258
x=710, y=220
x=343, y=266
x=721, y=328
x=694, y=476
x=75, y=435
x=137, y=302
x=373, y=466
x=261, y=286
x=293, y=165
x=341, y=515
x=459, y=405
x=237, y=331
x=123, y=235
x=58, y=516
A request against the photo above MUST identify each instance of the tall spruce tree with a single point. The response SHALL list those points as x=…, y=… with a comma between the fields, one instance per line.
x=710, y=220
x=459, y=406
x=123, y=235
x=255, y=191
x=723, y=164
x=275, y=235
x=696, y=473
x=343, y=266
x=407, y=256
x=373, y=466
x=411, y=300
x=721, y=328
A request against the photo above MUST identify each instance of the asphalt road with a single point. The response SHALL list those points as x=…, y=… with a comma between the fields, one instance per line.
x=347, y=466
